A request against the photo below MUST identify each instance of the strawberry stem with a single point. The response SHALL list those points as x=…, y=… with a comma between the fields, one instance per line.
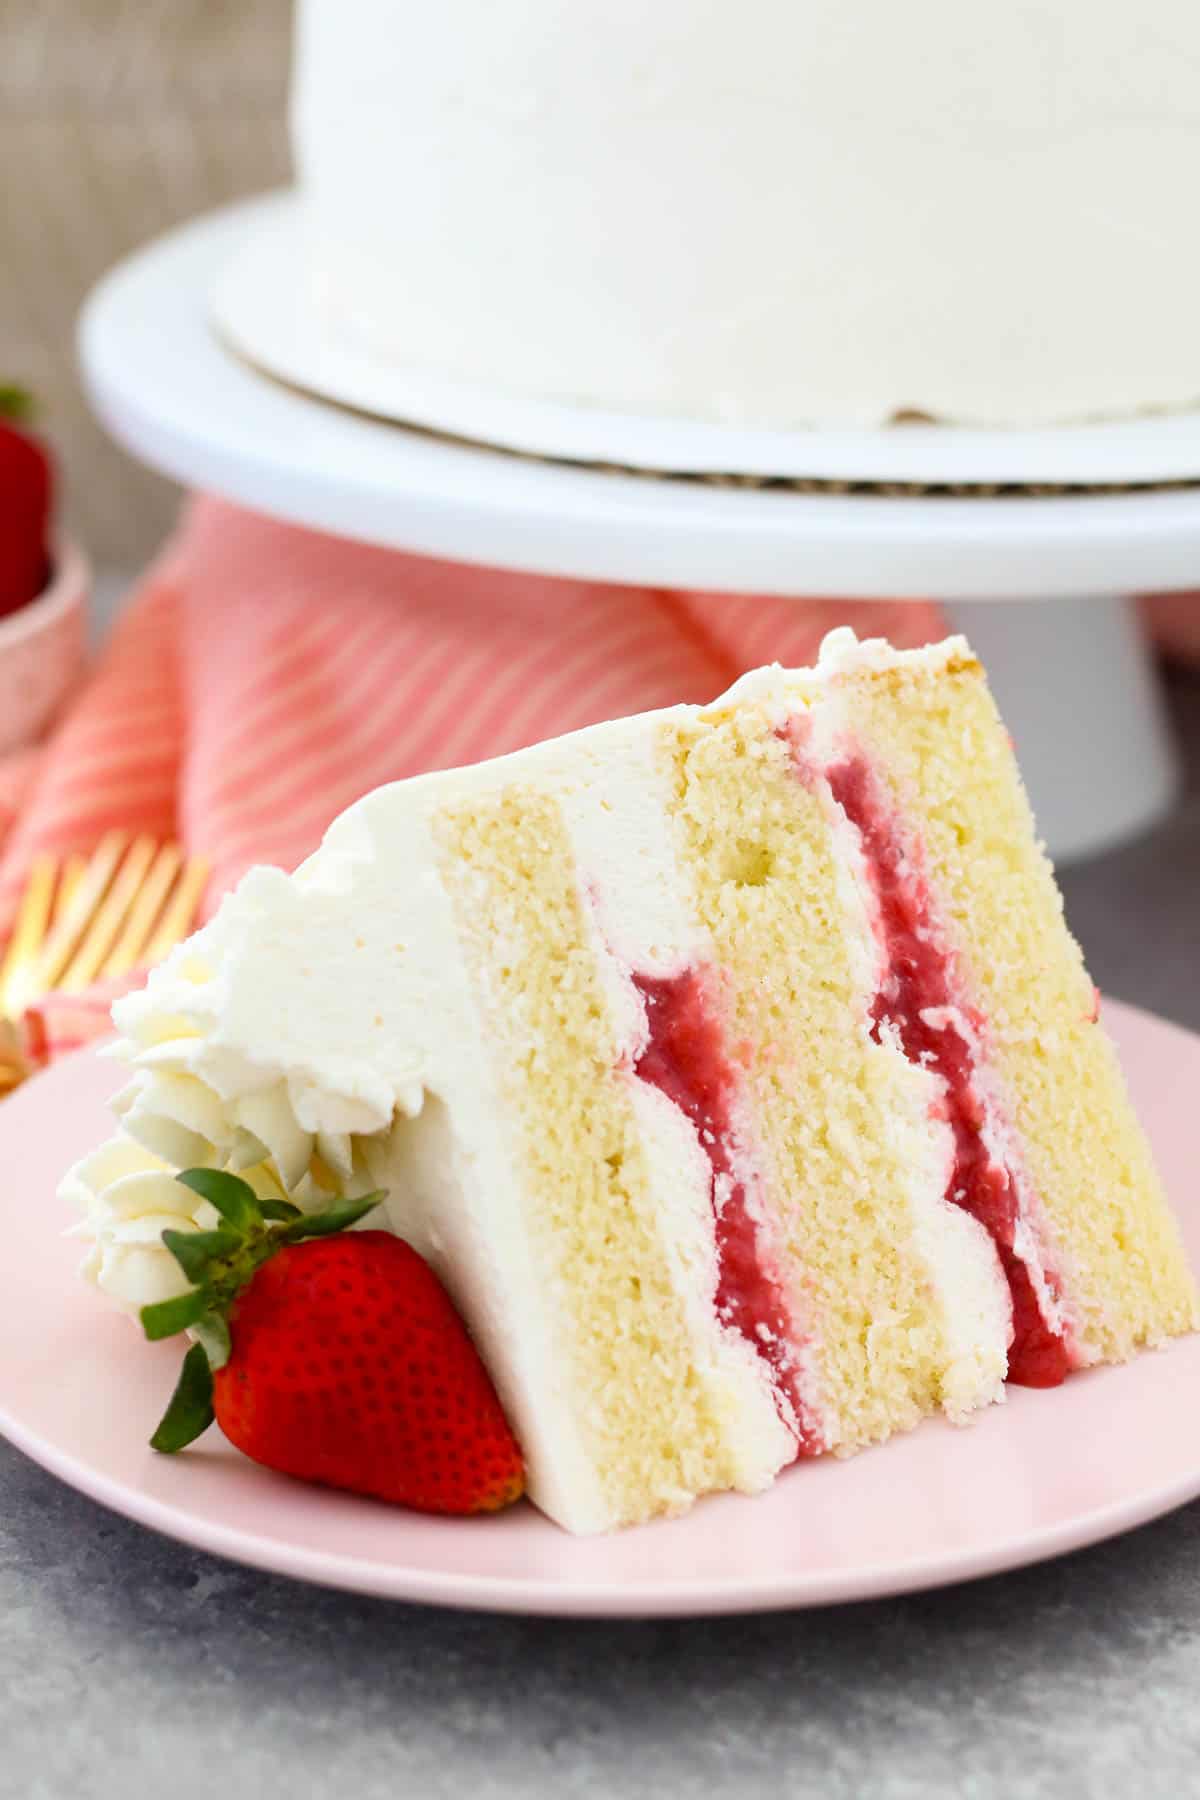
x=232, y=1197
x=16, y=403
x=219, y=1264
x=168, y=1317
x=330, y=1219
x=190, y=1410
x=279, y=1209
x=196, y=1251
x=212, y=1332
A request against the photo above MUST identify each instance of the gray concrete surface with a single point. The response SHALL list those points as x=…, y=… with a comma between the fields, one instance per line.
x=131, y=1666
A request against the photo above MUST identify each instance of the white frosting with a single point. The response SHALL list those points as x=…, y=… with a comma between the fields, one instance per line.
x=128, y=1198
x=779, y=213
x=841, y=655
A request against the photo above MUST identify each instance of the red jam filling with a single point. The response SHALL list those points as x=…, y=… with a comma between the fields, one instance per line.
x=918, y=983
x=685, y=1060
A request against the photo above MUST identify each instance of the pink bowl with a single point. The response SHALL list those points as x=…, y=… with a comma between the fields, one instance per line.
x=42, y=650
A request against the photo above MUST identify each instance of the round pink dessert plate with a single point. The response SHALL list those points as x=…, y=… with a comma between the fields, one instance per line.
x=1043, y=1474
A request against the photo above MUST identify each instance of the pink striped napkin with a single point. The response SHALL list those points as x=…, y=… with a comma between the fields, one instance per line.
x=264, y=676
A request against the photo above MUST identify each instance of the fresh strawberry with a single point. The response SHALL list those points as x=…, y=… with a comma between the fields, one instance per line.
x=334, y=1357
x=26, y=483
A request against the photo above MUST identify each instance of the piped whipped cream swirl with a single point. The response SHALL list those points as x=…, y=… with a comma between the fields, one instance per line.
x=203, y=1091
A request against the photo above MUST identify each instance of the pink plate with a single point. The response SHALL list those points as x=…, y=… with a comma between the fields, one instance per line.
x=1045, y=1473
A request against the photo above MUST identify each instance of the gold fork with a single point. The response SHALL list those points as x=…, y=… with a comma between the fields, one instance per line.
x=84, y=919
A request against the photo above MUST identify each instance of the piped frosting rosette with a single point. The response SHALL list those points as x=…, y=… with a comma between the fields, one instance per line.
x=293, y=1123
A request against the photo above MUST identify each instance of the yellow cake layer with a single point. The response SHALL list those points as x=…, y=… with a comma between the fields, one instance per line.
x=837, y=1120
x=655, y=1429
x=935, y=739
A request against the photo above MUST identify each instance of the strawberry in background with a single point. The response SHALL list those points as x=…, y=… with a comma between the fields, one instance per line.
x=26, y=497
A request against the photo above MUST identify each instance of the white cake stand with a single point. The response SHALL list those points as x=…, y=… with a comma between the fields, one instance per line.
x=1071, y=672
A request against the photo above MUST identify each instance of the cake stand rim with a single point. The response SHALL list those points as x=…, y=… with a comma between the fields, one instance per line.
x=268, y=317
x=175, y=396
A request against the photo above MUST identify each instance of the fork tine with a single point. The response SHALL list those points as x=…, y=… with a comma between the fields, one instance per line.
x=31, y=925
x=108, y=918
x=13, y=1068
x=38, y=976
x=140, y=920
x=72, y=873
x=180, y=913
x=129, y=903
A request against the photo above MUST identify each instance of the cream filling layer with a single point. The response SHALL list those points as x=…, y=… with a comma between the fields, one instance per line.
x=643, y=922
x=956, y=1250
x=831, y=742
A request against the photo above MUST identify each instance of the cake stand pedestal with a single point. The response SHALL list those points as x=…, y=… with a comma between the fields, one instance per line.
x=1041, y=585
x=1081, y=696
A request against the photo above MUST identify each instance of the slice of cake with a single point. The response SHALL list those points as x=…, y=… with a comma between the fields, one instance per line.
x=733, y=1066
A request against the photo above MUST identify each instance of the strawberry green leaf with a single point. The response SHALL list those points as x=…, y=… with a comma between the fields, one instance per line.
x=233, y=1198
x=16, y=403
x=279, y=1209
x=196, y=1251
x=190, y=1410
x=166, y=1317
x=337, y=1217
x=213, y=1333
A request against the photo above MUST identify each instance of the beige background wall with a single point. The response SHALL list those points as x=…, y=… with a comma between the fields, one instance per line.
x=118, y=118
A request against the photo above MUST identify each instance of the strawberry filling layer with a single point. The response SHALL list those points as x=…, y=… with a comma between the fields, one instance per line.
x=917, y=1001
x=684, y=1059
